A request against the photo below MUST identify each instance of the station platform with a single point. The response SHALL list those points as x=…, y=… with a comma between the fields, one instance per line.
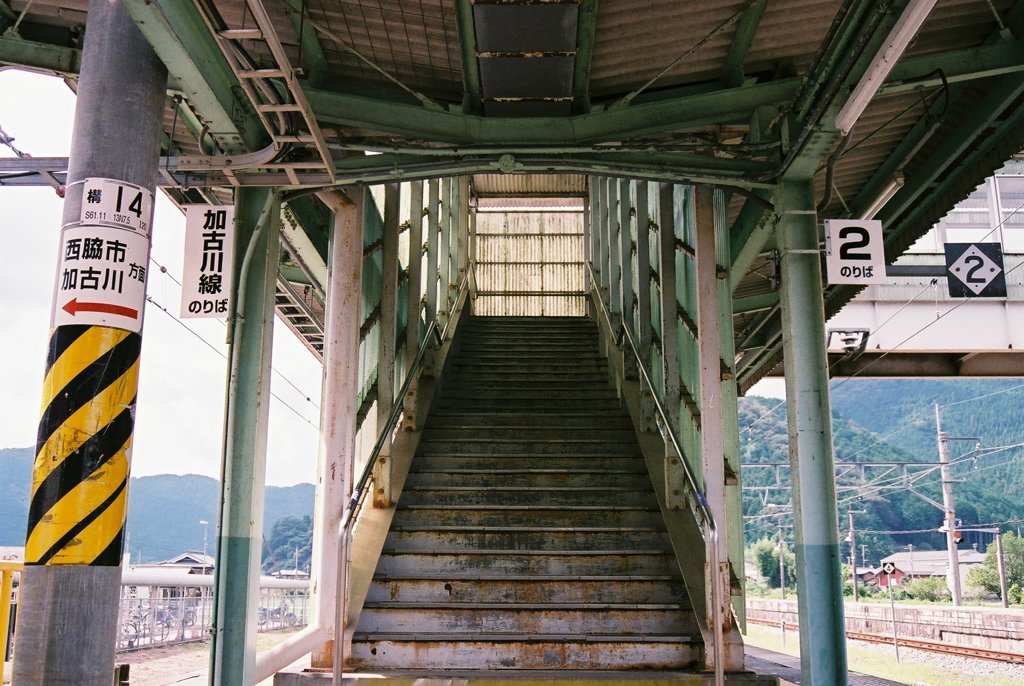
x=787, y=669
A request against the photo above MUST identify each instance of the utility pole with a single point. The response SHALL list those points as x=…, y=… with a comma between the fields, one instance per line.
x=70, y=587
x=782, y=564
x=1002, y=567
x=853, y=555
x=947, y=502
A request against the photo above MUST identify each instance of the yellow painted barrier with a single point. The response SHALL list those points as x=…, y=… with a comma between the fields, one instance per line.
x=7, y=570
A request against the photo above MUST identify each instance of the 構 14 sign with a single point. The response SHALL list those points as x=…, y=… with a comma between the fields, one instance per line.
x=854, y=251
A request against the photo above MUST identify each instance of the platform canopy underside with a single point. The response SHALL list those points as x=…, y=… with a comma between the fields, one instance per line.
x=532, y=98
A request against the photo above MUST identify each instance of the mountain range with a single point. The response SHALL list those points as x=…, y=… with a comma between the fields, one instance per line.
x=884, y=439
x=164, y=511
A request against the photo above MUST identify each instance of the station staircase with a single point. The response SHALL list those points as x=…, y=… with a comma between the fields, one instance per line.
x=528, y=535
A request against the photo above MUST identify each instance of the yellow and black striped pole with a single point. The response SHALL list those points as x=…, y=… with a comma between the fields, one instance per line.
x=70, y=589
x=80, y=478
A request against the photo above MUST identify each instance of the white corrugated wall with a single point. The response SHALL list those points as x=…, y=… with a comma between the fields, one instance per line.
x=530, y=263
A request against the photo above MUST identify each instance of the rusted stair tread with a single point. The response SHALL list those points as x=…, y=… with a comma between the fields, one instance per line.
x=531, y=529
x=474, y=575
x=553, y=638
x=525, y=607
x=504, y=552
x=532, y=508
x=537, y=470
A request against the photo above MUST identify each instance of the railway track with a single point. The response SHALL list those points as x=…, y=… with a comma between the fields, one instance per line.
x=931, y=646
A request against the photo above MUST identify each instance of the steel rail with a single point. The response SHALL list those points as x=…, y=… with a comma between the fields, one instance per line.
x=710, y=526
x=919, y=644
x=359, y=489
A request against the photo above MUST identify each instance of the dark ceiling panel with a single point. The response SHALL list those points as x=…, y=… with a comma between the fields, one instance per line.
x=525, y=28
x=526, y=77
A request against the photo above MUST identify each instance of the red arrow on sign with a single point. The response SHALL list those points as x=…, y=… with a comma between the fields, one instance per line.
x=73, y=307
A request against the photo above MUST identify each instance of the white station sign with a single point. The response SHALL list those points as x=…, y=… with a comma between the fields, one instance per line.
x=101, y=280
x=206, y=277
x=109, y=202
x=854, y=251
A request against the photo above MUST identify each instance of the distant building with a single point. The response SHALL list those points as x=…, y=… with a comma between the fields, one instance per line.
x=297, y=574
x=922, y=564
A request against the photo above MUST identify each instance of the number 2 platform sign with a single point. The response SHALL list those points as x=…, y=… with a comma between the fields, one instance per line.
x=854, y=251
x=975, y=270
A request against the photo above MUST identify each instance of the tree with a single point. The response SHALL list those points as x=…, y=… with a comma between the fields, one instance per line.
x=766, y=556
x=289, y=536
x=987, y=575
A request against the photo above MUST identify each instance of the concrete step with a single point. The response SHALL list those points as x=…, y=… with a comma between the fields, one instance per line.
x=528, y=478
x=529, y=589
x=522, y=538
x=516, y=515
x=565, y=418
x=500, y=563
x=517, y=652
x=498, y=403
x=507, y=446
x=578, y=393
x=535, y=383
x=538, y=497
x=505, y=430
x=526, y=461
x=544, y=618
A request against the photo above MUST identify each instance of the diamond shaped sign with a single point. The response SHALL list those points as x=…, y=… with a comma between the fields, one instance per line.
x=975, y=270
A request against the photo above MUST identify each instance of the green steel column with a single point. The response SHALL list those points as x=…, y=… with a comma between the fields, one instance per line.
x=236, y=579
x=444, y=251
x=822, y=636
x=614, y=257
x=462, y=186
x=730, y=412
x=70, y=588
x=669, y=302
x=626, y=252
x=433, y=227
x=598, y=217
x=643, y=272
x=588, y=235
x=387, y=341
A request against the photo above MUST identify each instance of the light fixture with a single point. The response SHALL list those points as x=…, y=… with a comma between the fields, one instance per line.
x=891, y=188
x=900, y=36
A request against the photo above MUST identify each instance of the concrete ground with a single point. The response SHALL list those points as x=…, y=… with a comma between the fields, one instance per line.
x=185, y=664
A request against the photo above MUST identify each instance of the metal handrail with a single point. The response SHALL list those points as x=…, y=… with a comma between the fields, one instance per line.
x=344, y=527
x=710, y=526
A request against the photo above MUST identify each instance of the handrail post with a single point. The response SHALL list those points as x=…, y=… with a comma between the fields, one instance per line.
x=7, y=570
x=701, y=509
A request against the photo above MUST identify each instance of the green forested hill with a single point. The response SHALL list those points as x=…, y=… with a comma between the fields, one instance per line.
x=989, y=411
x=164, y=511
x=880, y=498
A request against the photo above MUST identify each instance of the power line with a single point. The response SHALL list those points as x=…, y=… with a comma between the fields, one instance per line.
x=163, y=309
x=281, y=375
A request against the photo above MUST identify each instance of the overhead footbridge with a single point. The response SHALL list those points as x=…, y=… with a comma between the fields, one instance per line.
x=540, y=248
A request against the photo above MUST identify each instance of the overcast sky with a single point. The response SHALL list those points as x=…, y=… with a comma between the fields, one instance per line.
x=182, y=380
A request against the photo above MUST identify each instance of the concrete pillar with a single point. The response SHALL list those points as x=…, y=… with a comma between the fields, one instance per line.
x=388, y=331
x=239, y=548
x=822, y=636
x=68, y=610
x=339, y=409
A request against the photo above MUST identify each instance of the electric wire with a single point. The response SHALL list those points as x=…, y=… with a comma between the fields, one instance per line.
x=163, y=309
x=167, y=273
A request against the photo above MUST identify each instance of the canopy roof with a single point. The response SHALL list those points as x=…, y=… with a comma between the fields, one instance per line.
x=533, y=96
